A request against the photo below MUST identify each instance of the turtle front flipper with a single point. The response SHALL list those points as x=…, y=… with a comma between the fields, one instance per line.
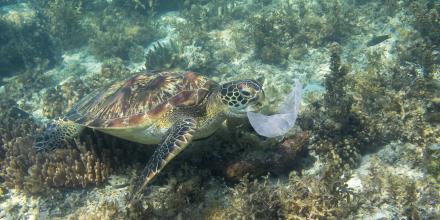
x=56, y=134
x=177, y=138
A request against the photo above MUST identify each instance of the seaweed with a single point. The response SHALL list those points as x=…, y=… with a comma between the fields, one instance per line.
x=296, y=199
x=420, y=44
x=408, y=195
x=391, y=102
x=206, y=28
x=276, y=31
x=25, y=43
x=125, y=40
x=337, y=101
x=426, y=20
x=64, y=21
x=255, y=200
x=263, y=32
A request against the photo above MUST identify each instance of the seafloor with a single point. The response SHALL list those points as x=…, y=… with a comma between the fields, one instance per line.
x=366, y=144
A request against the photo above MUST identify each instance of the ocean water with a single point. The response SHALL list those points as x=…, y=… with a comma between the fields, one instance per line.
x=247, y=109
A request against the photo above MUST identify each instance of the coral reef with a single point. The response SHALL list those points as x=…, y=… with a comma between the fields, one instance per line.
x=367, y=142
x=70, y=168
x=23, y=168
x=114, y=31
x=426, y=19
x=88, y=162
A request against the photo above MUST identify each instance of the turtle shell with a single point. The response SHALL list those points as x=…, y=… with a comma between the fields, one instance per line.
x=129, y=102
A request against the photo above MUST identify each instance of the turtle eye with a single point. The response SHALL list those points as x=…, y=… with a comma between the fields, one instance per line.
x=245, y=93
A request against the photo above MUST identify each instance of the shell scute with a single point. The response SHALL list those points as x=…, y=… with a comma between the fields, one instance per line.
x=128, y=102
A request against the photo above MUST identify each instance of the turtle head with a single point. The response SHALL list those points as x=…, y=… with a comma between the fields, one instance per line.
x=242, y=94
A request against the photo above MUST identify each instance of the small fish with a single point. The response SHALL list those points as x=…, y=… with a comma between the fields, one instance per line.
x=378, y=39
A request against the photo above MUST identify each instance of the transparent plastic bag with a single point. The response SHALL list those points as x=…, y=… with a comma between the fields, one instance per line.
x=278, y=124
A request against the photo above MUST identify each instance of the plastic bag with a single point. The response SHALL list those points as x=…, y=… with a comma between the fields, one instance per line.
x=278, y=124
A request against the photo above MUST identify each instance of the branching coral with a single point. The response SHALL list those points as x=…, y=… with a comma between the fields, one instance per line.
x=89, y=163
x=23, y=168
x=15, y=145
x=53, y=103
x=59, y=99
x=71, y=168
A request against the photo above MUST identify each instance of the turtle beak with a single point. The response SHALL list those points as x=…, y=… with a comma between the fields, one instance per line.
x=259, y=103
x=251, y=108
x=255, y=107
x=261, y=97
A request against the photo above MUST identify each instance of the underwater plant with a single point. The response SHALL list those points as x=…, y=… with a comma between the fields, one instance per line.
x=337, y=101
x=26, y=45
x=64, y=21
x=283, y=30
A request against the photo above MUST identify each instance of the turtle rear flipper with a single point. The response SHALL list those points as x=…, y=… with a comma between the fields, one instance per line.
x=177, y=138
x=56, y=134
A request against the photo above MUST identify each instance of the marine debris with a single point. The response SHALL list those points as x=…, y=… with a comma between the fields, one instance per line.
x=278, y=124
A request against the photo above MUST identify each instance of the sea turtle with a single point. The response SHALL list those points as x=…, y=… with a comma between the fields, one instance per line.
x=167, y=108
